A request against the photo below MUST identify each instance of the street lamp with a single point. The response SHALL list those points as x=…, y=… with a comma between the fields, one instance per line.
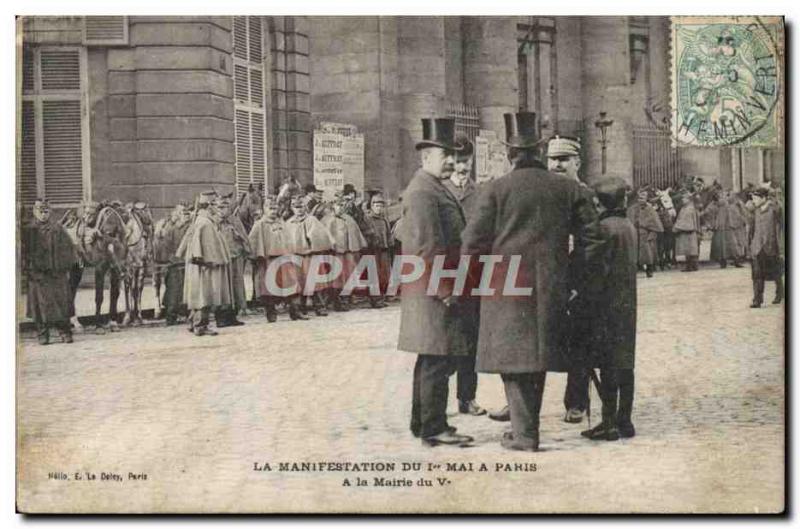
x=603, y=124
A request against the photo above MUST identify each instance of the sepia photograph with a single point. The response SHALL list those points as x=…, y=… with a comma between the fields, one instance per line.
x=395, y=264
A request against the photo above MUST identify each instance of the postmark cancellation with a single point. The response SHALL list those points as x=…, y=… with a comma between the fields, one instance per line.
x=727, y=81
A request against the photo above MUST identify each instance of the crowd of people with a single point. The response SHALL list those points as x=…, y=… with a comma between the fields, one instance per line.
x=579, y=249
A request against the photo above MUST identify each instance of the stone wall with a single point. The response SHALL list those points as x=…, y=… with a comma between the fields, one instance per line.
x=170, y=111
x=291, y=100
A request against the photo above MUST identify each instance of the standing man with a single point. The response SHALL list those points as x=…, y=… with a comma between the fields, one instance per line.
x=238, y=242
x=48, y=255
x=528, y=216
x=464, y=189
x=564, y=158
x=208, y=279
x=766, y=247
x=175, y=269
x=380, y=246
x=431, y=325
x=648, y=225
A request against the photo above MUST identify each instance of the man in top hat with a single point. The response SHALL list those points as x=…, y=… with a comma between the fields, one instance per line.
x=462, y=187
x=207, y=284
x=236, y=238
x=431, y=325
x=48, y=254
x=529, y=215
x=564, y=158
x=766, y=246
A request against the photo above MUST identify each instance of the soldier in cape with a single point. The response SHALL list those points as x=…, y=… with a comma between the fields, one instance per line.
x=48, y=255
x=207, y=283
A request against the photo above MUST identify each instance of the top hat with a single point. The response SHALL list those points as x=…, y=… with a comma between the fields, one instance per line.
x=438, y=132
x=348, y=189
x=521, y=130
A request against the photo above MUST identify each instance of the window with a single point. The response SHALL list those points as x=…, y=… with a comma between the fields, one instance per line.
x=54, y=135
x=248, y=94
x=105, y=31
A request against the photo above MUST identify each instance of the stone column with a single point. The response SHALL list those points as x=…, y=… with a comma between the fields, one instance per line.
x=490, y=68
x=171, y=110
x=421, y=83
x=606, y=87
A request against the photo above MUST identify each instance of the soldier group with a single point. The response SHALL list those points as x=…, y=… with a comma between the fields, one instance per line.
x=577, y=249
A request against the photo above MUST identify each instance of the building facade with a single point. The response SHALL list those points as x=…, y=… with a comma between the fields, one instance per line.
x=160, y=108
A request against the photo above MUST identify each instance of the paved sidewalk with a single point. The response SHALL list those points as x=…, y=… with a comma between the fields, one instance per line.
x=196, y=415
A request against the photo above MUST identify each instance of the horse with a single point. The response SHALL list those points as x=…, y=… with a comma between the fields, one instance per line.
x=100, y=236
x=139, y=256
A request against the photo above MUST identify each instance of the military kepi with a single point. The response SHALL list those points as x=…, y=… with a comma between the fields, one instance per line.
x=438, y=132
x=563, y=146
x=521, y=130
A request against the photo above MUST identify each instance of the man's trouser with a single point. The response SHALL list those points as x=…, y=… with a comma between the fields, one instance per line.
x=616, y=388
x=467, y=379
x=524, y=392
x=576, y=395
x=429, y=404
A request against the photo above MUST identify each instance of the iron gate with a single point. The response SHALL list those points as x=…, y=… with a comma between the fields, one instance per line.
x=655, y=161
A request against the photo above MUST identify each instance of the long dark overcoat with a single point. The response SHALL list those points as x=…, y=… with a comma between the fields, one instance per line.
x=432, y=223
x=610, y=296
x=529, y=213
x=724, y=220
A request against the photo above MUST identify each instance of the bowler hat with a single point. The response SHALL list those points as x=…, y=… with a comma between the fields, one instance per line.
x=521, y=130
x=438, y=132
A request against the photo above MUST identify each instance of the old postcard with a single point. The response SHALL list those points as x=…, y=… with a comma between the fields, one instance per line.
x=395, y=264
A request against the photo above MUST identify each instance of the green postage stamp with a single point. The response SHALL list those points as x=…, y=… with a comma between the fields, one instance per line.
x=727, y=81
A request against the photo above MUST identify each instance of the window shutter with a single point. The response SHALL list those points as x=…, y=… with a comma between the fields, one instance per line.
x=26, y=185
x=257, y=135
x=254, y=39
x=248, y=82
x=63, y=172
x=28, y=58
x=240, y=83
x=240, y=38
x=61, y=70
x=105, y=31
x=243, y=172
x=256, y=87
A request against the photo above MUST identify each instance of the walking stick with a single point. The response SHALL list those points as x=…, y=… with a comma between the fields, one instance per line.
x=596, y=381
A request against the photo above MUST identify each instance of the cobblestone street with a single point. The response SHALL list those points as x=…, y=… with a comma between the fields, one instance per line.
x=197, y=415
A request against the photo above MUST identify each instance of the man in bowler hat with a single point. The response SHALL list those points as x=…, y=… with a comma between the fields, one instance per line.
x=431, y=325
x=528, y=215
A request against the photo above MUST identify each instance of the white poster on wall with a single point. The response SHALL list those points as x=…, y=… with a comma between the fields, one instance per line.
x=328, y=172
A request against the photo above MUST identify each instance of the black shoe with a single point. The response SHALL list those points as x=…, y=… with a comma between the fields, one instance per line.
x=236, y=323
x=526, y=444
x=320, y=311
x=755, y=304
x=601, y=432
x=44, y=338
x=503, y=415
x=447, y=438
x=626, y=430
x=649, y=273
x=297, y=315
x=272, y=316
x=777, y=300
x=67, y=337
x=470, y=407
